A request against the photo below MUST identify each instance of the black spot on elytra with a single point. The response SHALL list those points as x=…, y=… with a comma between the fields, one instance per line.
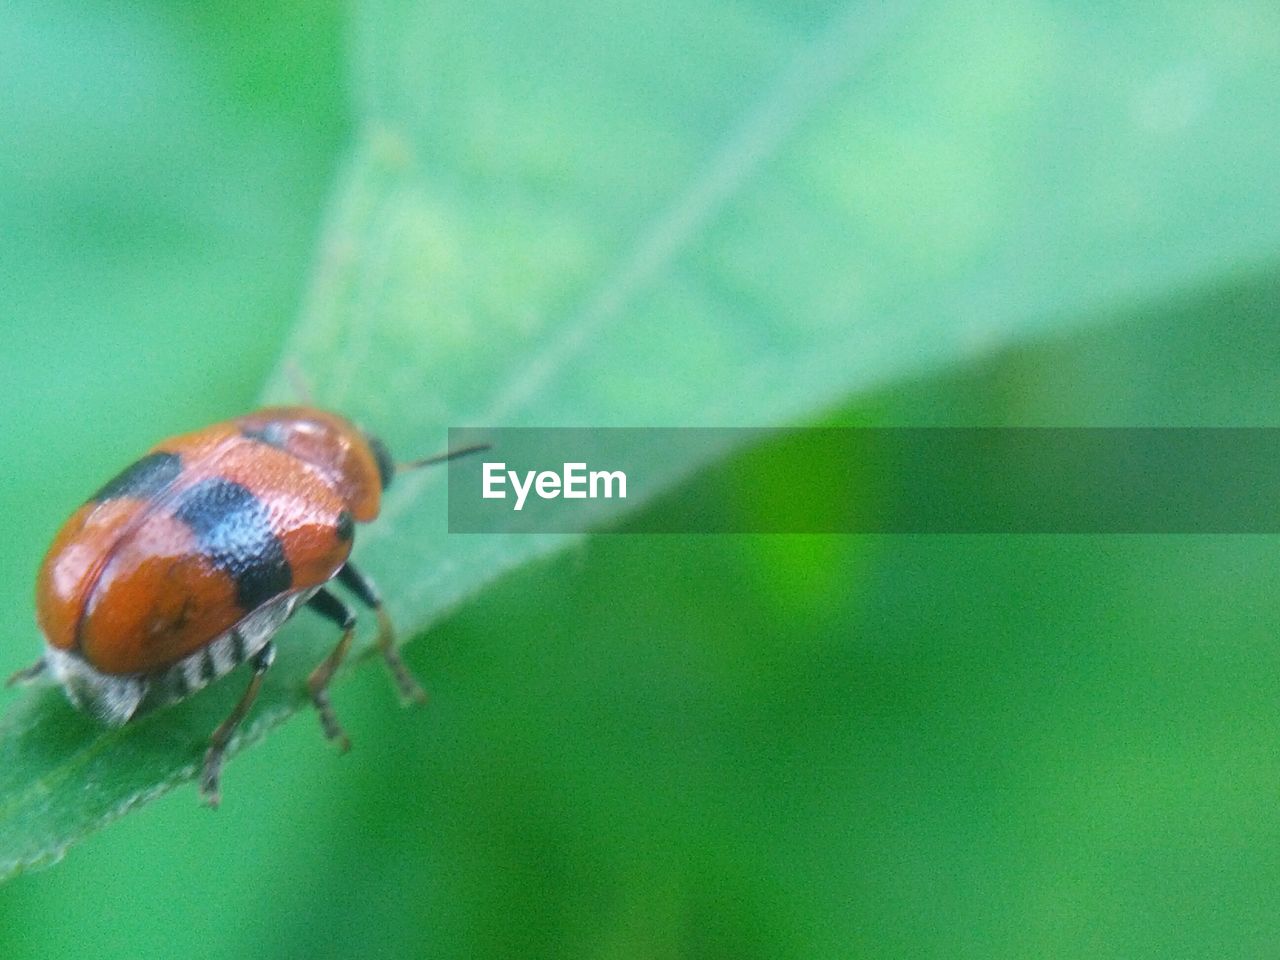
x=345, y=526
x=142, y=479
x=234, y=531
x=386, y=466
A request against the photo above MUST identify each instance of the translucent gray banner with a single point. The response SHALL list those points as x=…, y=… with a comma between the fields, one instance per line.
x=899, y=480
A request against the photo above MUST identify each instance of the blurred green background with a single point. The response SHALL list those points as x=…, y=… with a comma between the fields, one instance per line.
x=652, y=746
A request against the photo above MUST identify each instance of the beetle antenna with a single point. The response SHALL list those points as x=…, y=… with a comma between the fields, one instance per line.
x=442, y=457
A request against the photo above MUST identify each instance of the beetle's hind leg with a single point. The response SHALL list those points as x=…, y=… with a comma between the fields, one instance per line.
x=214, y=756
x=28, y=674
x=331, y=608
x=364, y=589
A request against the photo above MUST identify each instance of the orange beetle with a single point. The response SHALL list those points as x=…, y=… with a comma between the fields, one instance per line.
x=186, y=564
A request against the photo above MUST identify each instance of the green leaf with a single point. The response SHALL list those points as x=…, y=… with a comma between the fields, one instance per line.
x=634, y=214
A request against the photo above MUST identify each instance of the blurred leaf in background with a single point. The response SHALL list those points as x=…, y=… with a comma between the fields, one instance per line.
x=668, y=747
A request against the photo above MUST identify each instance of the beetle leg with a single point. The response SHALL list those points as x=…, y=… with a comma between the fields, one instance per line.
x=331, y=608
x=28, y=674
x=408, y=687
x=214, y=756
x=365, y=591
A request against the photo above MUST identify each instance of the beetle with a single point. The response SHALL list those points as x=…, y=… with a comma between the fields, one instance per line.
x=186, y=564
